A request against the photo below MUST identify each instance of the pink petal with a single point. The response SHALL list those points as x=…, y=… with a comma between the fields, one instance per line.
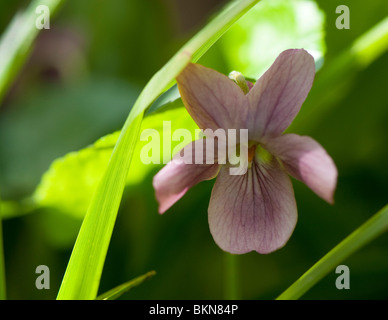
x=278, y=95
x=306, y=160
x=212, y=99
x=179, y=175
x=255, y=211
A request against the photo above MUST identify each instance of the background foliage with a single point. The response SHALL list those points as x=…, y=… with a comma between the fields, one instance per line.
x=83, y=76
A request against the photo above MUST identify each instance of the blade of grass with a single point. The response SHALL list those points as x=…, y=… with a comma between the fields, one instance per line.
x=116, y=292
x=370, y=230
x=83, y=273
x=16, y=42
x=84, y=270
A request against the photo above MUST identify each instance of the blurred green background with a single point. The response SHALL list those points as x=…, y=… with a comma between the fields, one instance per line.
x=79, y=83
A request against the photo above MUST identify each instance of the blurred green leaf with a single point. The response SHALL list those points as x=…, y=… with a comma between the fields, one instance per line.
x=11, y=209
x=116, y=292
x=50, y=121
x=69, y=183
x=273, y=26
x=372, y=44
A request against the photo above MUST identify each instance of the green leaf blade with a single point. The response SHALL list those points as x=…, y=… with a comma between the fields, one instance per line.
x=17, y=41
x=371, y=229
x=116, y=292
x=84, y=270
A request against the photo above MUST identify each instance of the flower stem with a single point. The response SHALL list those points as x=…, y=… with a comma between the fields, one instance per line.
x=231, y=278
x=370, y=230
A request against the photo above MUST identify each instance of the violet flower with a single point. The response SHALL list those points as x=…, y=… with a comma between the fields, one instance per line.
x=257, y=210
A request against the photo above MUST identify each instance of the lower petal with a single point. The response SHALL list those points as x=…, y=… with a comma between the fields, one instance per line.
x=252, y=212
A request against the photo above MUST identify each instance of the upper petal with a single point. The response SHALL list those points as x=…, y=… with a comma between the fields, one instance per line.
x=255, y=211
x=278, y=95
x=212, y=99
x=306, y=160
x=182, y=173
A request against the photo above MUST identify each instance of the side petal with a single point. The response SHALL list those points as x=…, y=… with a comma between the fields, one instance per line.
x=182, y=173
x=306, y=160
x=255, y=211
x=212, y=99
x=278, y=95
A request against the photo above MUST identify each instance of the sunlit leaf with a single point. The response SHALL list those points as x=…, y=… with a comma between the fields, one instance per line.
x=253, y=43
x=69, y=183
